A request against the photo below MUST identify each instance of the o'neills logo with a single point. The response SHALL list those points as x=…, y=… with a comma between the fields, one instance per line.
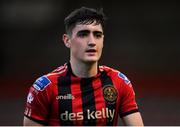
x=110, y=94
x=65, y=97
x=104, y=113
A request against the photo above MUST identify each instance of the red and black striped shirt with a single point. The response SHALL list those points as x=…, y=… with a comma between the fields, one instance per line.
x=61, y=98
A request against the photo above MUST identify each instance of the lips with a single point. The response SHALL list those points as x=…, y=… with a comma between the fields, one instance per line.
x=91, y=50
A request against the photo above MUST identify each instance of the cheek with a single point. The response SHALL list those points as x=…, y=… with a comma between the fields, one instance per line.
x=101, y=45
x=77, y=47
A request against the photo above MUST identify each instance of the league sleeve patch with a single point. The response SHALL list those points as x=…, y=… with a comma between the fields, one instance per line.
x=41, y=83
x=122, y=76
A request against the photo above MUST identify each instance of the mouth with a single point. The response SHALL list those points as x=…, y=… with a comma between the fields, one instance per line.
x=91, y=51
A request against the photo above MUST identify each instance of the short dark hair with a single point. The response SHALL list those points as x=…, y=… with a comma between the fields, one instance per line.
x=84, y=15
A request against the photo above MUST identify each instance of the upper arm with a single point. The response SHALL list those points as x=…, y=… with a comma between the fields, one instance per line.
x=133, y=119
x=37, y=104
x=128, y=106
x=28, y=122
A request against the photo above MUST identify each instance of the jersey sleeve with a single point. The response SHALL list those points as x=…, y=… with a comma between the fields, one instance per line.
x=37, y=104
x=128, y=103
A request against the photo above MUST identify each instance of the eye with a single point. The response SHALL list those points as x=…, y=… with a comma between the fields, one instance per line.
x=98, y=35
x=82, y=34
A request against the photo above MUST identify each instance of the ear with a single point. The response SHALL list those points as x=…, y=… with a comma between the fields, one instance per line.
x=66, y=40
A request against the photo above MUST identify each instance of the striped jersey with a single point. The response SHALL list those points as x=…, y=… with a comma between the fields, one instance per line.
x=61, y=98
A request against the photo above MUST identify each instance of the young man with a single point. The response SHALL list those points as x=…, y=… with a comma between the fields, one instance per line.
x=80, y=92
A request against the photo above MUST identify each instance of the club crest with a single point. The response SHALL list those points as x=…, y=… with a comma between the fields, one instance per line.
x=110, y=94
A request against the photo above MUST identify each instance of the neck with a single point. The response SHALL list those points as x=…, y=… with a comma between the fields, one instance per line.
x=84, y=70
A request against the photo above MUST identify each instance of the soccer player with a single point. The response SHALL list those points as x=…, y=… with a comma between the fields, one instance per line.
x=81, y=92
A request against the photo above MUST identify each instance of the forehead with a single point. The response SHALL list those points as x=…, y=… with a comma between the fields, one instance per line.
x=90, y=27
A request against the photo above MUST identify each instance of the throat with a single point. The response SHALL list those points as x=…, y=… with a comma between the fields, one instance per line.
x=83, y=70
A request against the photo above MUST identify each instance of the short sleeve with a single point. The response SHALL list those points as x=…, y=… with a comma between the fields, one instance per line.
x=128, y=103
x=37, y=104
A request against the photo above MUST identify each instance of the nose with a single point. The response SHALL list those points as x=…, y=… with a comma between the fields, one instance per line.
x=91, y=40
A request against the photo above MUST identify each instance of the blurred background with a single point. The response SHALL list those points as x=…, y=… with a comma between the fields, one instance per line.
x=141, y=40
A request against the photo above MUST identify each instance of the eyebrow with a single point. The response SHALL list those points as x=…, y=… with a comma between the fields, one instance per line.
x=88, y=31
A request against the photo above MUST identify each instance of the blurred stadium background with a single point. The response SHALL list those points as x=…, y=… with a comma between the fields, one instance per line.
x=141, y=40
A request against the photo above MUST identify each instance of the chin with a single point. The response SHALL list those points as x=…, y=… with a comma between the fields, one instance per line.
x=91, y=60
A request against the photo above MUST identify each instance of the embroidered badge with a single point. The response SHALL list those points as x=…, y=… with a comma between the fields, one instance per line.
x=110, y=94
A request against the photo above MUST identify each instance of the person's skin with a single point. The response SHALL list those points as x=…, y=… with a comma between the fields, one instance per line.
x=133, y=119
x=28, y=122
x=86, y=44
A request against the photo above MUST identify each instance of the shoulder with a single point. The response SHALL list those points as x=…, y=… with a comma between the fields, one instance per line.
x=50, y=79
x=115, y=74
